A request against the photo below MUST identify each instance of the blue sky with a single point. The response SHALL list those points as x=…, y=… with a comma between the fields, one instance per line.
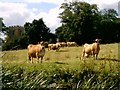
x=42, y=7
x=17, y=12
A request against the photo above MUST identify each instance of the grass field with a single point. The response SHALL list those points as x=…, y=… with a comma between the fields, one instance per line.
x=66, y=60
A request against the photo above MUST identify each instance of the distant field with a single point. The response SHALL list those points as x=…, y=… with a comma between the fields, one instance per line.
x=62, y=69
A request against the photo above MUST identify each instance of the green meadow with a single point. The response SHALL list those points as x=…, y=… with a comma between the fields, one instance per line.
x=62, y=69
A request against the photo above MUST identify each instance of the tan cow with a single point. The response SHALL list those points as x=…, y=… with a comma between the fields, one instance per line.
x=49, y=46
x=72, y=44
x=91, y=49
x=54, y=46
x=36, y=51
x=86, y=51
x=63, y=44
x=95, y=48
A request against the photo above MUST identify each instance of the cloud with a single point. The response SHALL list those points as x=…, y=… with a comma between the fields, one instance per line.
x=106, y=4
x=51, y=18
x=17, y=12
x=14, y=13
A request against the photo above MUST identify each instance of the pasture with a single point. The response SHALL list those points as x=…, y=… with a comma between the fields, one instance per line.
x=62, y=69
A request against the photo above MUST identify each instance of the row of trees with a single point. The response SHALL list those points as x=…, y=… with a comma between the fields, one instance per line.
x=81, y=22
x=31, y=34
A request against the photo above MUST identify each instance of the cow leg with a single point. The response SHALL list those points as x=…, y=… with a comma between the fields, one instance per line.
x=93, y=54
x=37, y=61
x=32, y=60
x=48, y=48
x=83, y=54
x=96, y=56
x=29, y=58
x=37, y=58
x=41, y=59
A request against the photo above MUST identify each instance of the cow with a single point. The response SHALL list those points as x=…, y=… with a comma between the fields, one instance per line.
x=54, y=46
x=63, y=44
x=86, y=52
x=72, y=44
x=36, y=51
x=49, y=46
x=91, y=49
x=95, y=48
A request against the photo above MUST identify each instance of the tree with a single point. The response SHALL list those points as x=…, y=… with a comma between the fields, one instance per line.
x=108, y=28
x=37, y=31
x=77, y=21
x=14, y=38
x=83, y=22
x=19, y=37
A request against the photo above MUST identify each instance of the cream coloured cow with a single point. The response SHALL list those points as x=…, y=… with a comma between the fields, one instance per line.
x=36, y=51
x=91, y=49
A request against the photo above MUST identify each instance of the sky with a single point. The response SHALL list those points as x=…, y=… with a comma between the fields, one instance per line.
x=18, y=12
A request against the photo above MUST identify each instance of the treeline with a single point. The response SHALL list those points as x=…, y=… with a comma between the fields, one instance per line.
x=81, y=22
x=19, y=37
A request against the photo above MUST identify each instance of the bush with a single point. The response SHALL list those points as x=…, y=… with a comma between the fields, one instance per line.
x=17, y=43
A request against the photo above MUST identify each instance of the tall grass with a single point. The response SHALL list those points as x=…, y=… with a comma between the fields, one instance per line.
x=62, y=69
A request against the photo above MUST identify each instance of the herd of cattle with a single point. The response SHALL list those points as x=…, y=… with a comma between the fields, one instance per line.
x=38, y=51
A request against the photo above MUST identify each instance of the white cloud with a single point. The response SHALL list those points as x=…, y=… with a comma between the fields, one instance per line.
x=106, y=3
x=14, y=13
x=18, y=13
x=51, y=18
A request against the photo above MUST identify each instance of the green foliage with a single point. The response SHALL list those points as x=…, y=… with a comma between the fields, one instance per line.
x=19, y=37
x=83, y=22
x=108, y=27
x=77, y=19
x=15, y=38
x=16, y=43
x=18, y=78
x=37, y=31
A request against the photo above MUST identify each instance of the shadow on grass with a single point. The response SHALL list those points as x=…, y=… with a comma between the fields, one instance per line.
x=111, y=59
x=62, y=51
x=60, y=63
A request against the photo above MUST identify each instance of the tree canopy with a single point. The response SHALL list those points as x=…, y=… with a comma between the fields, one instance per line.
x=83, y=22
x=37, y=31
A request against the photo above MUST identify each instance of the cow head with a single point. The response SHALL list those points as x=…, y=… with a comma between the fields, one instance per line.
x=97, y=40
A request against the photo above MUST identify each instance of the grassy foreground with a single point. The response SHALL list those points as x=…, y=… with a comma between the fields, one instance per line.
x=62, y=69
